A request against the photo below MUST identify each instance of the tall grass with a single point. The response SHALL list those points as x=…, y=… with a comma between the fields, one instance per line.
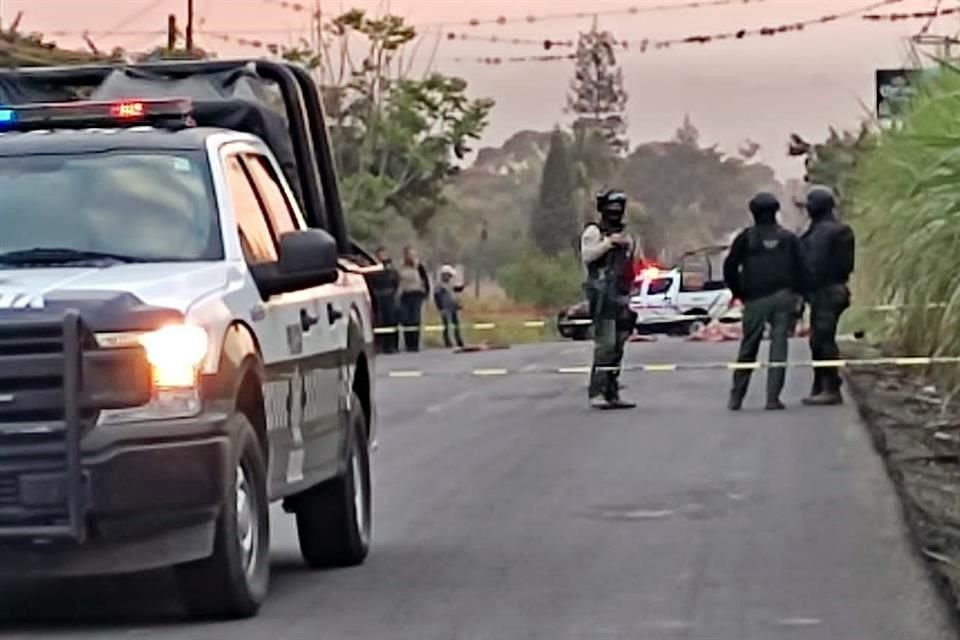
x=906, y=195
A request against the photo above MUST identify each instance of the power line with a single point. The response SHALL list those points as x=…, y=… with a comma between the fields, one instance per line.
x=133, y=17
x=936, y=12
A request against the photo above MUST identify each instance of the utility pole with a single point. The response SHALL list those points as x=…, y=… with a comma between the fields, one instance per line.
x=481, y=247
x=171, y=32
x=189, y=26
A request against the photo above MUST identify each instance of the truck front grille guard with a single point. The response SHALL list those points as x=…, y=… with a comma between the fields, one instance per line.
x=53, y=382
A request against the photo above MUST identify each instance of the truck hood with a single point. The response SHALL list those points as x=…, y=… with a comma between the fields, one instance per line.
x=169, y=285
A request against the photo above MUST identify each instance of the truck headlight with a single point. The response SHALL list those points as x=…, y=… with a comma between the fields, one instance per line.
x=175, y=353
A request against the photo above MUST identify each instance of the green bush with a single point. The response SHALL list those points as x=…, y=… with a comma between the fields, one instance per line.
x=906, y=195
x=543, y=282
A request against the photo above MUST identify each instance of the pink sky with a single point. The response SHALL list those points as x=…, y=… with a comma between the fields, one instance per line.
x=758, y=88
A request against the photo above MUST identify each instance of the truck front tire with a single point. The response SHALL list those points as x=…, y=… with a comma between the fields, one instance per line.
x=334, y=519
x=232, y=583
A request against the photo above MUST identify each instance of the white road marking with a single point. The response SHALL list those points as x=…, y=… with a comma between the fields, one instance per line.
x=799, y=622
x=639, y=514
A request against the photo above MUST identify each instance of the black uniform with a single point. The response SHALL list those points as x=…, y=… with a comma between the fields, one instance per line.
x=765, y=269
x=830, y=245
x=385, y=307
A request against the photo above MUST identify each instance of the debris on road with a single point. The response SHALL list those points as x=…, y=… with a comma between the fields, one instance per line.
x=717, y=332
x=483, y=346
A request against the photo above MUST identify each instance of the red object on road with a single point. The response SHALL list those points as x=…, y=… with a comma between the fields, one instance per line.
x=718, y=332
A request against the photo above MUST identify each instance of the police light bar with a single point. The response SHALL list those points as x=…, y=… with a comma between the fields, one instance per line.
x=171, y=113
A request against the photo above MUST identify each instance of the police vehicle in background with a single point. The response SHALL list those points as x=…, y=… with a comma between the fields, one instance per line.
x=185, y=329
x=677, y=302
x=680, y=300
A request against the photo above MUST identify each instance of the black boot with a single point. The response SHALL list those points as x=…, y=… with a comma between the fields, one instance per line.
x=735, y=402
x=774, y=404
x=830, y=393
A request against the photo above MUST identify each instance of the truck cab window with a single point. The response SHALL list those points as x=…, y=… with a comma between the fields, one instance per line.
x=256, y=237
x=267, y=183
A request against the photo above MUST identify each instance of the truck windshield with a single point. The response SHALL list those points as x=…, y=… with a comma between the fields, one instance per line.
x=147, y=205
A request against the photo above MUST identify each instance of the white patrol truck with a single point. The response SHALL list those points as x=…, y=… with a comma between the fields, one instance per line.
x=664, y=304
x=185, y=330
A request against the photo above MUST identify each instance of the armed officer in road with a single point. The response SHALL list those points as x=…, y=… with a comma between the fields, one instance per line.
x=765, y=268
x=607, y=253
x=830, y=246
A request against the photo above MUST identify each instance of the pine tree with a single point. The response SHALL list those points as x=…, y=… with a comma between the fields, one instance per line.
x=597, y=95
x=688, y=134
x=554, y=227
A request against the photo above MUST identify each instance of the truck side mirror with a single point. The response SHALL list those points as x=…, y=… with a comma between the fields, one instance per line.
x=307, y=258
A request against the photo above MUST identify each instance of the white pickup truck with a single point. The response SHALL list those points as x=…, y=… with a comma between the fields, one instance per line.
x=665, y=303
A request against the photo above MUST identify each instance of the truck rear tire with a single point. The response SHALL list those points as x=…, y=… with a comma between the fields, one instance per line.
x=232, y=583
x=334, y=519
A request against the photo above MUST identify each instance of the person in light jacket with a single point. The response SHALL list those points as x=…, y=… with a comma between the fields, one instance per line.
x=413, y=289
x=447, y=298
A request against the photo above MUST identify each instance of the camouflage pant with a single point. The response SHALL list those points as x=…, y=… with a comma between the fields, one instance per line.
x=609, y=338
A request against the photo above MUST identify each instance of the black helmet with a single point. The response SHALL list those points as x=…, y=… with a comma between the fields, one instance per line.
x=612, y=205
x=764, y=207
x=820, y=202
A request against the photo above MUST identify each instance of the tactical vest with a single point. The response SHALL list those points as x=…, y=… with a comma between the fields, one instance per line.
x=769, y=264
x=609, y=278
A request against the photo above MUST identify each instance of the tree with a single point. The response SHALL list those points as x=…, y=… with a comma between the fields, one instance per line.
x=691, y=195
x=688, y=134
x=833, y=163
x=397, y=138
x=597, y=96
x=554, y=226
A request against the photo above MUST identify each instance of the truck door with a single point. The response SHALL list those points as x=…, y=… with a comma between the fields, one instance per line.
x=323, y=323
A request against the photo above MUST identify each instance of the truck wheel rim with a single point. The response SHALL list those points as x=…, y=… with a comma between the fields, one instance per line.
x=247, y=524
x=359, y=495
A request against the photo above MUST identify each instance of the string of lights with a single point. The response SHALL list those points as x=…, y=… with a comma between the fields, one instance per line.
x=298, y=7
x=925, y=29
x=301, y=7
x=914, y=15
x=642, y=46
x=648, y=44
x=550, y=43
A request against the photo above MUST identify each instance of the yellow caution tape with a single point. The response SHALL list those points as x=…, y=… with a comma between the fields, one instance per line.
x=730, y=315
x=652, y=368
x=690, y=366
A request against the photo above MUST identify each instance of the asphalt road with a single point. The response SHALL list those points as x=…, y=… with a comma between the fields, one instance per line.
x=505, y=509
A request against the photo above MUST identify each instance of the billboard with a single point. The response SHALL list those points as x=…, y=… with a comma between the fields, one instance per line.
x=895, y=88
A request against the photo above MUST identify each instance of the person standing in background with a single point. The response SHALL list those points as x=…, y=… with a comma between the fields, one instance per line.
x=385, y=297
x=447, y=299
x=414, y=288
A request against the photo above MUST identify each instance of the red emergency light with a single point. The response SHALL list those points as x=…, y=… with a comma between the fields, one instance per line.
x=124, y=110
x=172, y=113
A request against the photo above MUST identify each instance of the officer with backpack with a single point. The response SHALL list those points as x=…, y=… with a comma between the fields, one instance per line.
x=607, y=255
x=766, y=269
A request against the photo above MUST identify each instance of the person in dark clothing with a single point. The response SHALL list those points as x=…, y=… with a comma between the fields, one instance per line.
x=607, y=253
x=413, y=289
x=765, y=269
x=385, y=301
x=447, y=298
x=830, y=246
